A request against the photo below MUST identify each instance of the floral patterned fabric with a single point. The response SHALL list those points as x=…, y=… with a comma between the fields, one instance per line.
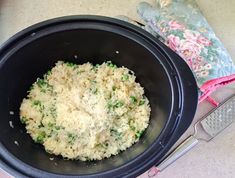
x=182, y=27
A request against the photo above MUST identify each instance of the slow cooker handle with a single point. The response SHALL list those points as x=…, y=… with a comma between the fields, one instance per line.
x=180, y=150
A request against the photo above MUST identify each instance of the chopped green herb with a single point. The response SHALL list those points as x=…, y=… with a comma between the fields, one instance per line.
x=43, y=85
x=95, y=68
x=71, y=138
x=109, y=106
x=142, y=101
x=116, y=134
x=138, y=134
x=40, y=138
x=94, y=90
x=118, y=104
x=70, y=64
x=51, y=124
x=125, y=77
x=132, y=128
x=39, y=106
x=41, y=125
x=133, y=99
x=23, y=120
x=37, y=103
x=53, y=111
x=115, y=104
x=110, y=64
x=49, y=72
x=57, y=127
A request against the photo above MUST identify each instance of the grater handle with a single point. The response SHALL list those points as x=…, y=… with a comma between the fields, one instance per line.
x=180, y=150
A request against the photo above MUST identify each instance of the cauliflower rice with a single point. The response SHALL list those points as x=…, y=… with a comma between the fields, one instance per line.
x=86, y=112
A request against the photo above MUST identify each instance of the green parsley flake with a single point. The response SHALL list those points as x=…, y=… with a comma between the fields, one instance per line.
x=40, y=138
x=133, y=99
x=110, y=64
x=125, y=77
x=138, y=134
x=70, y=64
x=142, y=102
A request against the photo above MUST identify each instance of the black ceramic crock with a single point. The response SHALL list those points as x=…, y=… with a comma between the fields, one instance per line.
x=169, y=84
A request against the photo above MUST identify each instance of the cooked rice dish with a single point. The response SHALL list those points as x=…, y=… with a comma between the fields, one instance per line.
x=86, y=112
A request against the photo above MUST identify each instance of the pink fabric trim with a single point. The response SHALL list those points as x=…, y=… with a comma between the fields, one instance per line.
x=153, y=172
x=212, y=101
x=211, y=85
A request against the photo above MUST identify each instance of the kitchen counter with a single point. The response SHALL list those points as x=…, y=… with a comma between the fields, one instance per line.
x=215, y=159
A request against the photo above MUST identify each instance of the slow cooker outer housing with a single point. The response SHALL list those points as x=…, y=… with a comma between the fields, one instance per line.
x=124, y=44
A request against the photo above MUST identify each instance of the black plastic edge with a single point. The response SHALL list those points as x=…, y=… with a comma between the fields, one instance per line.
x=45, y=24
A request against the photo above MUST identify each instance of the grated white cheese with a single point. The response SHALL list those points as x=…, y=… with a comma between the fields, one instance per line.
x=86, y=112
x=11, y=124
x=15, y=142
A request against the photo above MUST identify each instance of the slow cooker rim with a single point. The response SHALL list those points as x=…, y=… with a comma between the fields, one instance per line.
x=44, y=24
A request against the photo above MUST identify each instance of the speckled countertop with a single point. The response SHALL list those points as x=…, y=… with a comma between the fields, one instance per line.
x=215, y=159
